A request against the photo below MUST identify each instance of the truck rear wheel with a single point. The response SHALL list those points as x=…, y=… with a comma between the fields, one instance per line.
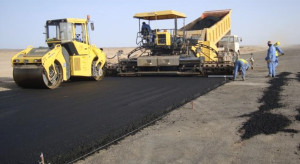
x=97, y=72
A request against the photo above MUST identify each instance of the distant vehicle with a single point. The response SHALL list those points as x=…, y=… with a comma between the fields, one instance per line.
x=230, y=42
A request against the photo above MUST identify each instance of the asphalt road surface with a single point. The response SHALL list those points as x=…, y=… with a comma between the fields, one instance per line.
x=80, y=116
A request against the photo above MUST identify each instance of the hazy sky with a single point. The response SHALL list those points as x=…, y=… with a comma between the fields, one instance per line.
x=256, y=21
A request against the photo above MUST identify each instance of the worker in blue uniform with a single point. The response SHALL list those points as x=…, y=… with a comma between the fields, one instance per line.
x=146, y=32
x=271, y=59
x=240, y=65
x=278, y=53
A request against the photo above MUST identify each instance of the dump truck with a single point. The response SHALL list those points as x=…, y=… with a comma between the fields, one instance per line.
x=211, y=38
x=69, y=53
x=190, y=50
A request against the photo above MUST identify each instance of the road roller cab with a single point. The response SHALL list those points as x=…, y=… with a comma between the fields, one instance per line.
x=69, y=54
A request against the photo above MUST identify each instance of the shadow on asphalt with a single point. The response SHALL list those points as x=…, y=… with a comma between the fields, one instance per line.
x=263, y=121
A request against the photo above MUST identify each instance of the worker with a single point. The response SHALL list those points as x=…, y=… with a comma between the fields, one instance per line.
x=279, y=52
x=240, y=65
x=146, y=32
x=271, y=59
x=78, y=38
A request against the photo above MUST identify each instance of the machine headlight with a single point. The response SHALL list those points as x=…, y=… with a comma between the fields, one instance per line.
x=25, y=61
x=37, y=60
x=16, y=61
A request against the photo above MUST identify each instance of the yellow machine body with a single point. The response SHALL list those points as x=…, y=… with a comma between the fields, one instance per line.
x=160, y=15
x=46, y=61
x=69, y=54
x=209, y=36
x=191, y=50
x=163, y=38
x=81, y=64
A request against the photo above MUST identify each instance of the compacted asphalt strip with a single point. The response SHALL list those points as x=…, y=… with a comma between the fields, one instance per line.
x=80, y=116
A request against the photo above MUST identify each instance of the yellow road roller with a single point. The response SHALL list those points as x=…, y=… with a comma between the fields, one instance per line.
x=69, y=54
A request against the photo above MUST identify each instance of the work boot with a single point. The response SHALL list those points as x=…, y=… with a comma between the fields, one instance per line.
x=243, y=78
x=268, y=76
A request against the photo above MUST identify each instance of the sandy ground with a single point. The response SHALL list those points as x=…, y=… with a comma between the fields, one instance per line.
x=6, y=78
x=235, y=123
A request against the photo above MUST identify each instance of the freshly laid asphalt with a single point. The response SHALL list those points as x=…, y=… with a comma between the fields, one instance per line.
x=80, y=116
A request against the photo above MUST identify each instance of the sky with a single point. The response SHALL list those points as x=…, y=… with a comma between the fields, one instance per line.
x=256, y=21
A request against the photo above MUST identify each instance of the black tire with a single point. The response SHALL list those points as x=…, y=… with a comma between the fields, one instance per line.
x=97, y=73
x=55, y=82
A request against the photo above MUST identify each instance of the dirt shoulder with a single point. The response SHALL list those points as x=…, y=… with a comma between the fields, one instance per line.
x=252, y=121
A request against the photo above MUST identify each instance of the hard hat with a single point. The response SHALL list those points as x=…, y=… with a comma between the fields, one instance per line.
x=277, y=43
x=269, y=42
